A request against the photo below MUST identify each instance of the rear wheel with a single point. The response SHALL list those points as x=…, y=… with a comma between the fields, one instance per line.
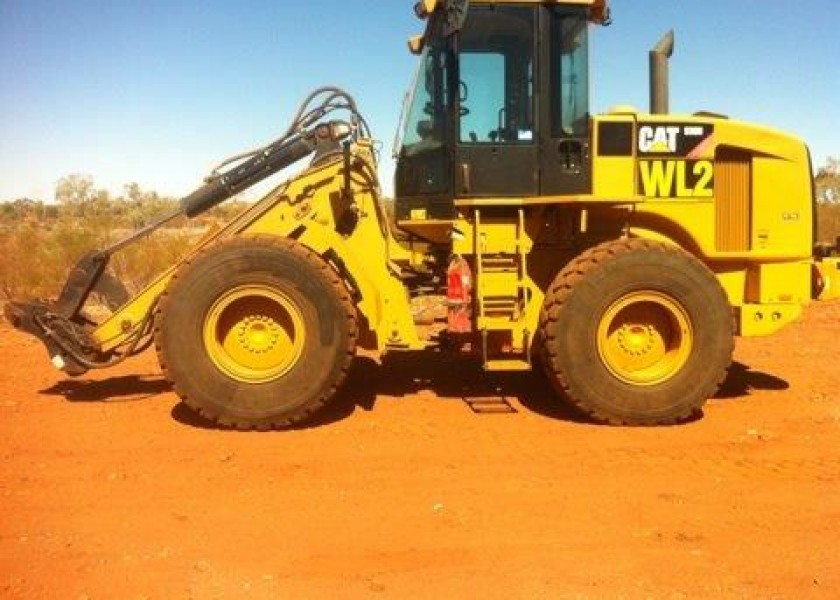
x=256, y=333
x=636, y=333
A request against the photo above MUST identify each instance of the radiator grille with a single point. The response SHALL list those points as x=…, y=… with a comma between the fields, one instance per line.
x=733, y=201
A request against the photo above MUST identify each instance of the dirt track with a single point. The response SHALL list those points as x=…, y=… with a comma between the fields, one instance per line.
x=112, y=489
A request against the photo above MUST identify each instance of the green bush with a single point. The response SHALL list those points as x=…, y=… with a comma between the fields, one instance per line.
x=829, y=222
x=35, y=257
x=39, y=242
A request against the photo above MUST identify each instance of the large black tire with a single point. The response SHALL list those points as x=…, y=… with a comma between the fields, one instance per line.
x=256, y=332
x=635, y=332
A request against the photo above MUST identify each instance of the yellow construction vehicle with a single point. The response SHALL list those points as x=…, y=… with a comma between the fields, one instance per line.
x=619, y=252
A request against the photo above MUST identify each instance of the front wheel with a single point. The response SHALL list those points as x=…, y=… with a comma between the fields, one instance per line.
x=256, y=333
x=636, y=333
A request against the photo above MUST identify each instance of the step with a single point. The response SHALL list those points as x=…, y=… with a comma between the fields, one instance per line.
x=508, y=364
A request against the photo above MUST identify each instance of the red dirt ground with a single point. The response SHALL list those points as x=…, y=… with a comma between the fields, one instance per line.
x=112, y=489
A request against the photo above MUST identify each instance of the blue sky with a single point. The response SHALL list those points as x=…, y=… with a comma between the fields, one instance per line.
x=157, y=92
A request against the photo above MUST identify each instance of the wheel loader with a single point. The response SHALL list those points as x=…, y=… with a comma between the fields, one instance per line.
x=619, y=253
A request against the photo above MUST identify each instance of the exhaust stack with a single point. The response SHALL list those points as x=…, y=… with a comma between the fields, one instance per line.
x=659, y=75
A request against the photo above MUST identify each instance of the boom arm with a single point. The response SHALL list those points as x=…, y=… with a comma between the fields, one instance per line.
x=275, y=157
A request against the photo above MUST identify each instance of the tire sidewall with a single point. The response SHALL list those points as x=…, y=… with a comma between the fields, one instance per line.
x=192, y=295
x=677, y=276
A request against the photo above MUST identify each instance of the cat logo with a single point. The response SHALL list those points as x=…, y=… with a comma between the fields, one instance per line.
x=692, y=141
x=658, y=140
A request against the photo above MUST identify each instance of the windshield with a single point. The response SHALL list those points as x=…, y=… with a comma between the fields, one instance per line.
x=408, y=104
x=423, y=124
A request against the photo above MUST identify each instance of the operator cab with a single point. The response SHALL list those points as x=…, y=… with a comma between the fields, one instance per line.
x=492, y=112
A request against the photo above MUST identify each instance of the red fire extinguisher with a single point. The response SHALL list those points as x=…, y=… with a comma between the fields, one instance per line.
x=459, y=295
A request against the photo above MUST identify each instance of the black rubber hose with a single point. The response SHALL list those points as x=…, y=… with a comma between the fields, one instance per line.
x=133, y=344
x=273, y=159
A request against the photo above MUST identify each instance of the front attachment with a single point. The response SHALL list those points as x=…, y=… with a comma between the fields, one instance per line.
x=58, y=334
x=64, y=328
x=60, y=325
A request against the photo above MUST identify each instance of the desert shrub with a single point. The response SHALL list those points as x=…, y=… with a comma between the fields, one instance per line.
x=22, y=255
x=829, y=222
x=137, y=265
x=827, y=182
x=39, y=242
x=35, y=258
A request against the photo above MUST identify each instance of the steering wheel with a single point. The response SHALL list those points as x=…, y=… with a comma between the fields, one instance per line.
x=463, y=96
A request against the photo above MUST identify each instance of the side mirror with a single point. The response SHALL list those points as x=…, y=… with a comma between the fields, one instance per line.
x=456, y=15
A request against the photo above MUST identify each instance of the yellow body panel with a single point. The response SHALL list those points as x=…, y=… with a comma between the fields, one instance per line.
x=780, y=211
x=766, y=319
x=751, y=223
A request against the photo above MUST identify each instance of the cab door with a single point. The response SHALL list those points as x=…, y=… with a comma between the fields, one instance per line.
x=565, y=160
x=496, y=150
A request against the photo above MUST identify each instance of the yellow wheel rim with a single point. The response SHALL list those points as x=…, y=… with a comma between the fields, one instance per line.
x=645, y=338
x=254, y=334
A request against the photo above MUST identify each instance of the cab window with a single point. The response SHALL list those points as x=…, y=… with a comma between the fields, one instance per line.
x=496, y=62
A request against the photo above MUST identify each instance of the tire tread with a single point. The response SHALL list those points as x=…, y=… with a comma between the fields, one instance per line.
x=279, y=244
x=578, y=270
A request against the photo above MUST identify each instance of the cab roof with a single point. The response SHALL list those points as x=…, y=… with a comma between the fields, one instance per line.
x=598, y=9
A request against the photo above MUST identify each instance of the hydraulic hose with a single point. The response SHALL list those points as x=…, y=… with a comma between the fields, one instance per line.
x=264, y=164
